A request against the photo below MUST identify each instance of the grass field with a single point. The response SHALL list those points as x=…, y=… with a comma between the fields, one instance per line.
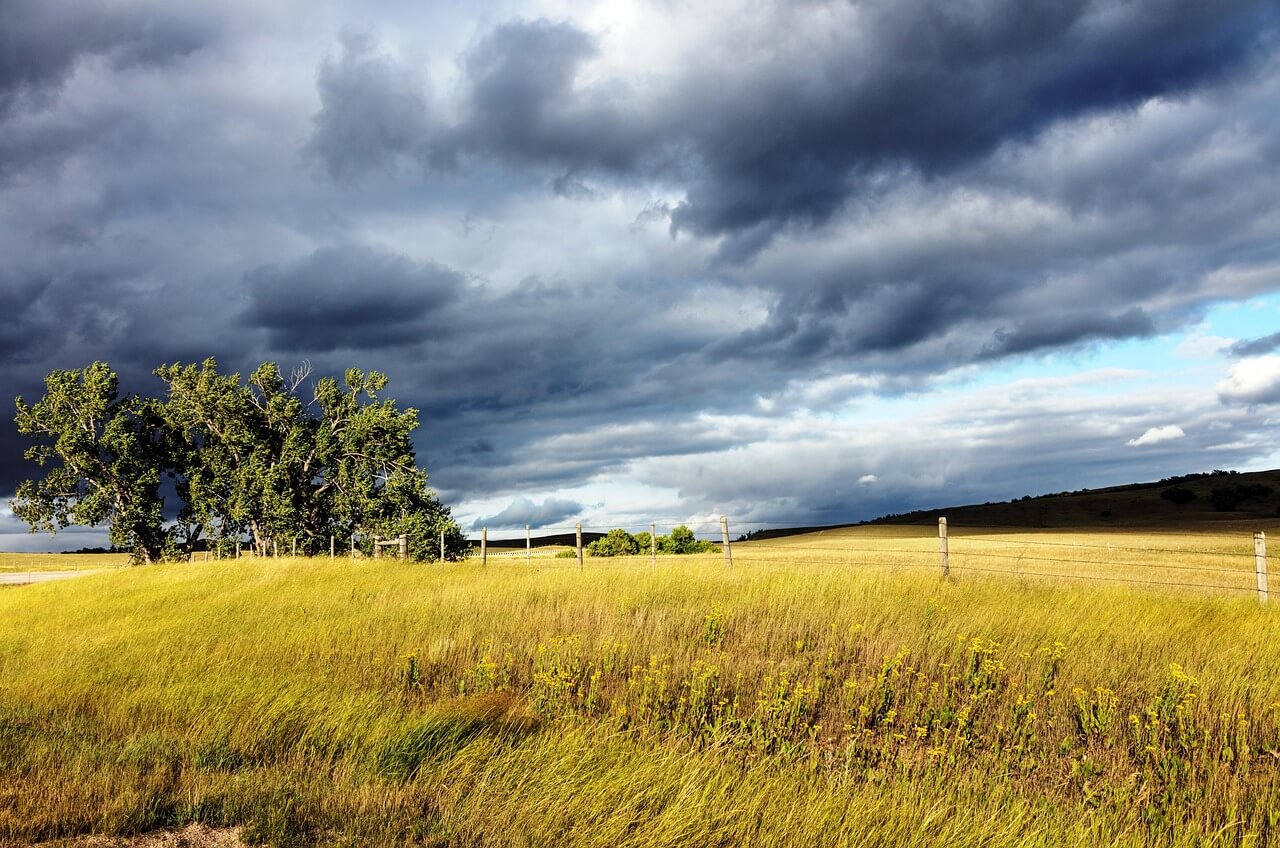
x=11, y=562
x=829, y=689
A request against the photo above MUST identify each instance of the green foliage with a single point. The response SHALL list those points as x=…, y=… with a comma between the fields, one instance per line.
x=262, y=457
x=682, y=541
x=104, y=456
x=614, y=543
x=619, y=542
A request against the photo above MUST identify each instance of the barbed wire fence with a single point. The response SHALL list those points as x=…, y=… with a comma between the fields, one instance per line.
x=1206, y=561
x=1209, y=560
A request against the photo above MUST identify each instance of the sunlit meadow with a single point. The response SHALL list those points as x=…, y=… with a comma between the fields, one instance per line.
x=827, y=690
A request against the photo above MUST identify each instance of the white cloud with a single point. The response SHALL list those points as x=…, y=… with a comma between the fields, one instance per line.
x=1252, y=380
x=1156, y=435
x=868, y=479
x=1201, y=345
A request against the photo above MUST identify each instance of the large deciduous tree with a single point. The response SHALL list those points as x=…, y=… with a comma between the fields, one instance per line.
x=265, y=457
x=104, y=456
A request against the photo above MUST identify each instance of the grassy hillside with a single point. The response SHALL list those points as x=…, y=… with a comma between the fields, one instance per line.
x=787, y=701
x=1215, y=498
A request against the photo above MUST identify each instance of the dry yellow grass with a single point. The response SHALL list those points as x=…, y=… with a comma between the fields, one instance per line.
x=1219, y=558
x=803, y=697
x=15, y=562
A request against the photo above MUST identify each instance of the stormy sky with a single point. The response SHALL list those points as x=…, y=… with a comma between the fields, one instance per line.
x=796, y=262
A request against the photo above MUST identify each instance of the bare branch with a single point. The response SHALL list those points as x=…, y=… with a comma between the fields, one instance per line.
x=300, y=375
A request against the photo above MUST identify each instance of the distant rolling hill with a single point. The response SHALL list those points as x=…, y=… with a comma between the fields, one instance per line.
x=1175, y=502
x=1191, y=501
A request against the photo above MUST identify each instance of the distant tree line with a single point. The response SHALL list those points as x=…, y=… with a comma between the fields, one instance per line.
x=619, y=542
x=265, y=460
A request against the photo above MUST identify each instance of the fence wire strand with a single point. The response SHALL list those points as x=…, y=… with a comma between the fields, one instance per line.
x=963, y=550
x=965, y=538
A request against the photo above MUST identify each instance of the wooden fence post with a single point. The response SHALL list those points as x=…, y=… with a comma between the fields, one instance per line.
x=353, y=545
x=237, y=549
x=442, y=547
x=294, y=553
x=653, y=546
x=943, y=552
x=333, y=546
x=377, y=547
x=275, y=549
x=528, y=546
x=404, y=547
x=579, y=545
x=484, y=546
x=724, y=541
x=1260, y=563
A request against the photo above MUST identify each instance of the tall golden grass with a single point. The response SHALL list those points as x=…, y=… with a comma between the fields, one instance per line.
x=804, y=697
x=14, y=562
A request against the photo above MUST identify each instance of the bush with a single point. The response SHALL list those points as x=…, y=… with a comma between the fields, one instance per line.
x=682, y=541
x=614, y=543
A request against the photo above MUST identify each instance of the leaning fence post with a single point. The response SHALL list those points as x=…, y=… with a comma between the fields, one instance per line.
x=724, y=541
x=944, y=554
x=579, y=544
x=528, y=546
x=1260, y=563
x=653, y=546
x=484, y=545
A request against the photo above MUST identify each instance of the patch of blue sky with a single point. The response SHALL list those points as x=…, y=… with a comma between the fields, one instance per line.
x=1244, y=320
x=1171, y=359
x=1161, y=358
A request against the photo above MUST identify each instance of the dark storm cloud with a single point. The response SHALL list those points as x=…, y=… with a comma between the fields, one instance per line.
x=864, y=197
x=763, y=143
x=824, y=121
x=1256, y=347
x=934, y=87
x=349, y=297
x=41, y=41
x=373, y=112
x=1052, y=331
x=523, y=511
x=520, y=103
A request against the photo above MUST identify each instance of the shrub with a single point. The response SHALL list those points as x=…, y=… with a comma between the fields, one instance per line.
x=682, y=541
x=616, y=542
